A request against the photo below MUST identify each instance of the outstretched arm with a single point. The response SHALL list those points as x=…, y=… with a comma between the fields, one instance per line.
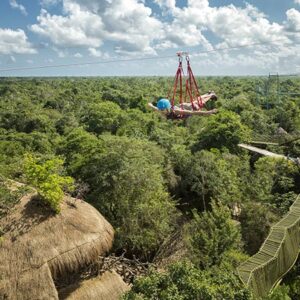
x=153, y=107
x=195, y=113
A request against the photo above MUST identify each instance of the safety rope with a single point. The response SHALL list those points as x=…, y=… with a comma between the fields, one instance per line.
x=191, y=87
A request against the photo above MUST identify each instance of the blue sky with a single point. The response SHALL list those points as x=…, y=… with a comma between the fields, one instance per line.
x=57, y=32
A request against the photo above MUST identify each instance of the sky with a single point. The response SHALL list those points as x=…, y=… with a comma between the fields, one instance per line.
x=228, y=37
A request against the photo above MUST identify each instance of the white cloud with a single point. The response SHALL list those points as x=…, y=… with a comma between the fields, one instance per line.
x=94, y=52
x=20, y=7
x=126, y=23
x=187, y=36
x=47, y=3
x=293, y=20
x=14, y=41
x=130, y=24
x=78, y=55
x=166, y=5
x=297, y=1
x=60, y=52
x=79, y=28
x=233, y=25
x=132, y=28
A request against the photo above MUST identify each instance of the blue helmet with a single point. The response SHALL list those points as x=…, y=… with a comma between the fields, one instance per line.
x=163, y=104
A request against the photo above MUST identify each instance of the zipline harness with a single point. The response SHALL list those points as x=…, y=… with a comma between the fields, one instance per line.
x=191, y=87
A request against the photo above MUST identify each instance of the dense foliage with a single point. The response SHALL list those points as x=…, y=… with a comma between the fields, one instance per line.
x=148, y=175
x=212, y=235
x=183, y=281
x=47, y=179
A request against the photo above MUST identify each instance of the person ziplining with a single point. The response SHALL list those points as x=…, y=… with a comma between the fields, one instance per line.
x=164, y=106
x=184, y=109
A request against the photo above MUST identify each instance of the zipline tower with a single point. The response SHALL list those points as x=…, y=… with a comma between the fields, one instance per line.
x=268, y=95
x=273, y=88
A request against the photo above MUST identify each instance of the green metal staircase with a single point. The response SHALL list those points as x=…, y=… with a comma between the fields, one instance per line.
x=277, y=255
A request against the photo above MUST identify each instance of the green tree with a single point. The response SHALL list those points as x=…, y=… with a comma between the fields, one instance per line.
x=256, y=220
x=211, y=234
x=274, y=182
x=211, y=174
x=77, y=147
x=24, y=116
x=127, y=185
x=137, y=124
x=281, y=292
x=102, y=117
x=292, y=281
x=47, y=179
x=287, y=115
x=238, y=104
x=223, y=130
x=66, y=123
x=183, y=281
x=252, y=116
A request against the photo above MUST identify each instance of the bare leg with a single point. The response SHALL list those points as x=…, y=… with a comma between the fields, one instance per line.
x=206, y=97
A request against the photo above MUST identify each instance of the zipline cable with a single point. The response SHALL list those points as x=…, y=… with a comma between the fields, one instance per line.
x=129, y=59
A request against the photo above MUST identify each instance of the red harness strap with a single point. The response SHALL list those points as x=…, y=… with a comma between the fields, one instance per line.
x=178, y=78
x=191, y=87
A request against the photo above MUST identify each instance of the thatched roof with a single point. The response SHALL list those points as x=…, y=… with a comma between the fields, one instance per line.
x=39, y=246
x=109, y=286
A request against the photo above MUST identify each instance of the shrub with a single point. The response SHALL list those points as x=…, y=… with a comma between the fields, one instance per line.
x=103, y=117
x=212, y=234
x=256, y=220
x=183, y=281
x=223, y=130
x=274, y=182
x=281, y=292
x=47, y=179
x=212, y=175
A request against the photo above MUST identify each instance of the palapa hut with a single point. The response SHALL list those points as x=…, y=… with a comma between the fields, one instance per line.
x=38, y=247
x=109, y=286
